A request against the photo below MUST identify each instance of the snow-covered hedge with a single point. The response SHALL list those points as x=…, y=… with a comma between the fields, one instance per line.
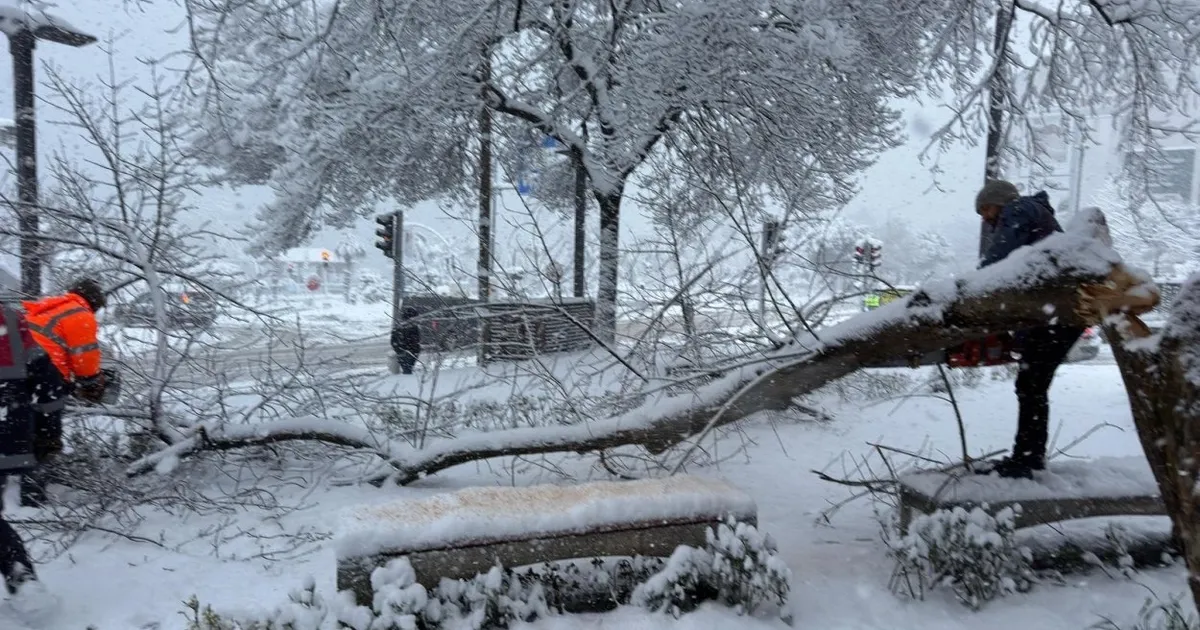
x=973, y=553
x=738, y=567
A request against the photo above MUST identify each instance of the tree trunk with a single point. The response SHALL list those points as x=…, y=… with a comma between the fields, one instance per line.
x=998, y=89
x=998, y=94
x=581, y=194
x=1164, y=396
x=485, y=189
x=606, y=288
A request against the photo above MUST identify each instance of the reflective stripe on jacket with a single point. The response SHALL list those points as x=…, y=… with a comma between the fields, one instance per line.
x=66, y=328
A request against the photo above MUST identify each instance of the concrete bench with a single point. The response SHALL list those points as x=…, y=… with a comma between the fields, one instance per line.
x=461, y=534
x=1072, y=489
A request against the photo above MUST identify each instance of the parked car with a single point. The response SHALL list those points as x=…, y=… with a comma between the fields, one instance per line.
x=186, y=310
x=1087, y=347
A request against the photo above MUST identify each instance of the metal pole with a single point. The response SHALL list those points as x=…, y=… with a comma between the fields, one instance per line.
x=20, y=46
x=1077, y=172
x=397, y=267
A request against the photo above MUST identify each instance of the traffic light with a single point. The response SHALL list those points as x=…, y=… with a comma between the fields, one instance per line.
x=860, y=252
x=876, y=254
x=386, y=233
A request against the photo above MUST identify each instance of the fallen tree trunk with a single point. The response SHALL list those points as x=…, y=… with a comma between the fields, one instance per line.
x=1162, y=375
x=1033, y=287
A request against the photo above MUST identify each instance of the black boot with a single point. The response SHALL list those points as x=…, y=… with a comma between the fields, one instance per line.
x=1011, y=467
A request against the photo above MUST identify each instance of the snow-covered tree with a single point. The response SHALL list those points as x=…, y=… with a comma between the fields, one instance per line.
x=911, y=257
x=350, y=251
x=1012, y=63
x=371, y=288
x=344, y=102
x=1161, y=237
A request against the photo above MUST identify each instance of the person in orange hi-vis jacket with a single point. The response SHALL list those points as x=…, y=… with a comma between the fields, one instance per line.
x=65, y=327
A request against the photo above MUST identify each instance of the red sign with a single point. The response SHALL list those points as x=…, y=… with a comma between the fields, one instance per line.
x=313, y=283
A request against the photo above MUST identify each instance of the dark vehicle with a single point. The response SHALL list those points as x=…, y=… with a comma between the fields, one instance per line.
x=186, y=310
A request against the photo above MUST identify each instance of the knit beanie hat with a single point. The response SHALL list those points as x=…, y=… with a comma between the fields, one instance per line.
x=996, y=192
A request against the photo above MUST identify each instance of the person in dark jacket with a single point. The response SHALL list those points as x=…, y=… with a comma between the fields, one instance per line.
x=1018, y=221
x=17, y=434
x=406, y=340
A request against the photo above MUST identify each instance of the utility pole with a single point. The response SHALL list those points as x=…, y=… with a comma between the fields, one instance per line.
x=1076, y=162
x=20, y=46
x=23, y=34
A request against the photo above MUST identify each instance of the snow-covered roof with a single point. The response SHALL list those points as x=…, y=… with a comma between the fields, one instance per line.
x=309, y=255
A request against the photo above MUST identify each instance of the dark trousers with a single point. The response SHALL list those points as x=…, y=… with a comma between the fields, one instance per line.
x=50, y=391
x=1042, y=351
x=15, y=565
x=407, y=361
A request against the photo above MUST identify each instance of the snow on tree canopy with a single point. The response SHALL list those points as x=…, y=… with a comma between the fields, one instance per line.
x=1104, y=477
x=496, y=513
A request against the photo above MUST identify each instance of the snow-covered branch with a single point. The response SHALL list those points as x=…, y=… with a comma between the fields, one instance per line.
x=1034, y=286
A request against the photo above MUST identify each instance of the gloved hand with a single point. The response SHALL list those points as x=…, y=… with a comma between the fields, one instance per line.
x=91, y=389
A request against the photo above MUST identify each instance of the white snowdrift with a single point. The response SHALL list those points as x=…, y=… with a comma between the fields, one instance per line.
x=1102, y=477
x=495, y=513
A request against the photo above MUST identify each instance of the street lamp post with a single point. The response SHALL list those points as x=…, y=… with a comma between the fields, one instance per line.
x=23, y=30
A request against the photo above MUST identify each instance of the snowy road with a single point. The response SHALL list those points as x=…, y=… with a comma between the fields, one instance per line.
x=237, y=351
x=240, y=351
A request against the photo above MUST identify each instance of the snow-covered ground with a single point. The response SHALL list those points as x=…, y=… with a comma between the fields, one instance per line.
x=241, y=561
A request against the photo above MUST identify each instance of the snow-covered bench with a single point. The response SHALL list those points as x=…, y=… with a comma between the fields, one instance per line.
x=461, y=534
x=1109, y=486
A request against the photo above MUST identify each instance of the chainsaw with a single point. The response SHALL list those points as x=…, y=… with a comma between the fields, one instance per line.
x=991, y=350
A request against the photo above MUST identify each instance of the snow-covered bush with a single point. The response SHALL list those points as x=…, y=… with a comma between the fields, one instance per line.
x=973, y=553
x=370, y=288
x=738, y=567
x=1155, y=614
x=1120, y=541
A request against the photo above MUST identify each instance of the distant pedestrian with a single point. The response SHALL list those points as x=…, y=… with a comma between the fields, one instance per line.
x=406, y=340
